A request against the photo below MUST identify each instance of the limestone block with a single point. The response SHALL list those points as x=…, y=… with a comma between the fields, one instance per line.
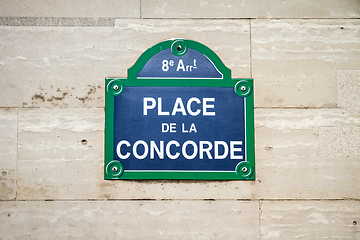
x=130, y=220
x=288, y=162
x=68, y=8
x=60, y=153
x=295, y=62
x=308, y=178
x=54, y=164
x=310, y=220
x=348, y=90
x=340, y=141
x=250, y=9
x=68, y=66
x=8, y=153
x=299, y=143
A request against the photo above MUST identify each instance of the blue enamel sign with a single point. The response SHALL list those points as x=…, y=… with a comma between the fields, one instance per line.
x=179, y=115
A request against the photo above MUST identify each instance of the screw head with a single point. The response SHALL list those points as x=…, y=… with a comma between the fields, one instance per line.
x=244, y=169
x=115, y=169
x=243, y=88
x=116, y=87
x=179, y=48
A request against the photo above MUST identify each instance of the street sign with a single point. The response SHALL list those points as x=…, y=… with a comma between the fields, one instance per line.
x=179, y=115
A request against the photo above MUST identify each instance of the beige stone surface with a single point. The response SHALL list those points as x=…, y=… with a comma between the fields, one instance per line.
x=68, y=8
x=295, y=62
x=250, y=9
x=348, y=90
x=54, y=164
x=304, y=57
x=179, y=189
x=308, y=178
x=130, y=220
x=286, y=120
x=68, y=66
x=8, y=153
x=340, y=141
x=310, y=220
x=273, y=143
x=58, y=149
x=288, y=161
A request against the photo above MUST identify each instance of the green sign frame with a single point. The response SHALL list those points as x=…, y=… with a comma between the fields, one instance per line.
x=243, y=87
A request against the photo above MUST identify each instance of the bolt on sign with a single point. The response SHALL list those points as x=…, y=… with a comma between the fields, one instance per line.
x=179, y=115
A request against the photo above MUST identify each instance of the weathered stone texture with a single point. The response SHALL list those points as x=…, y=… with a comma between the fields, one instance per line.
x=291, y=119
x=8, y=153
x=301, y=54
x=250, y=9
x=130, y=220
x=54, y=164
x=69, y=8
x=310, y=220
x=348, y=89
x=288, y=162
x=68, y=65
x=57, y=21
x=60, y=153
x=340, y=141
x=308, y=178
x=295, y=62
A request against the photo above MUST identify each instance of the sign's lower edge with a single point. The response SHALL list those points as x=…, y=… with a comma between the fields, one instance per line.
x=158, y=175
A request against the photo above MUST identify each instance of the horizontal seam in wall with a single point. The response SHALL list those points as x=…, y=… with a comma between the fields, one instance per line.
x=245, y=18
x=110, y=21
x=179, y=199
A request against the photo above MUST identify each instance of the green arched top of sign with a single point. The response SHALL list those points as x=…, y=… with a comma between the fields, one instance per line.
x=174, y=50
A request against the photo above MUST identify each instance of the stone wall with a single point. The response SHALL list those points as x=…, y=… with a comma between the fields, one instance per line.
x=304, y=57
